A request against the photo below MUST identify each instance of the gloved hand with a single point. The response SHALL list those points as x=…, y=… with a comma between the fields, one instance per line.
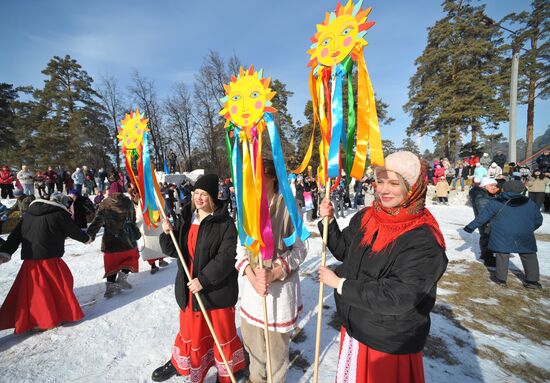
x=468, y=229
x=4, y=257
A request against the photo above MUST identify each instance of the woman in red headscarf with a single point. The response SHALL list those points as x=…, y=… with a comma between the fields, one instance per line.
x=393, y=254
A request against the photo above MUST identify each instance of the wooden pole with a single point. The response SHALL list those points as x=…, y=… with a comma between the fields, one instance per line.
x=266, y=331
x=199, y=300
x=321, y=291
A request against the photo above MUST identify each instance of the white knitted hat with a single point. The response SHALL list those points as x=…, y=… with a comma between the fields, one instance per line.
x=406, y=164
x=487, y=181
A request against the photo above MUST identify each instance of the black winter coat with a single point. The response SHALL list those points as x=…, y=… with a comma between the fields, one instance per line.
x=113, y=211
x=42, y=231
x=214, y=261
x=387, y=297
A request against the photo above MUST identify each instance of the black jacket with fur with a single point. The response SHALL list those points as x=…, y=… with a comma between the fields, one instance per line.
x=214, y=261
x=113, y=211
x=42, y=231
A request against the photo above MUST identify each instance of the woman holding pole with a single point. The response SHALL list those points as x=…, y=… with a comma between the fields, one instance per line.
x=208, y=239
x=393, y=254
x=279, y=283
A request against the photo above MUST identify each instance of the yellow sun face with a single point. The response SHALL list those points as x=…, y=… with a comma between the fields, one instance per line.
x=133, y=126
x=247, y=98
x=339, y=34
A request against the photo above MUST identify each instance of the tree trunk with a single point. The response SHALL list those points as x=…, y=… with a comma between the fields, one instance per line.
x=531, y=101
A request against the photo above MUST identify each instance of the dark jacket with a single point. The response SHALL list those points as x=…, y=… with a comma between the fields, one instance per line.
x=42, y=231
x=82, y=207
x=214, y=261
x=387, y=297
x=479, y=197
x=113, y=211
x=543, y=163
x=514, y=219
x=500, y=159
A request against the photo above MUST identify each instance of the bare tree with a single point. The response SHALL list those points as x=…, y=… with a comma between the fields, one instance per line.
x=144, y=94
x=179, y=109
x=113, y=102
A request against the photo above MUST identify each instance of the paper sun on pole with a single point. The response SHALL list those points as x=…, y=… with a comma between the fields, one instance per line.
x=133, y=135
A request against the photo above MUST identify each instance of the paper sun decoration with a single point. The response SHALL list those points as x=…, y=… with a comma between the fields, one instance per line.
x=133, y=136
x=337, y=45
x=247, y=110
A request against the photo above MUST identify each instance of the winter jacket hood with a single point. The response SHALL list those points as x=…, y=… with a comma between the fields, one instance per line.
x=512, y=199
x=42, y=207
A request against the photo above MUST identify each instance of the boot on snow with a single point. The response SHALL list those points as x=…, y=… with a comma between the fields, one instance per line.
x=122, y=281
x=111, y=289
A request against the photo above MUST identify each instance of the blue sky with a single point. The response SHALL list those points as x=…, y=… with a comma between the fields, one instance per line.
x=166, y=41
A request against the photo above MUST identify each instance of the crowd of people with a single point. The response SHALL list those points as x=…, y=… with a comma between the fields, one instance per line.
x=392, y=256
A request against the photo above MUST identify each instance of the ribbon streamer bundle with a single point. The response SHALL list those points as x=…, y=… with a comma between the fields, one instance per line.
x=133, y=135
x=247, y=110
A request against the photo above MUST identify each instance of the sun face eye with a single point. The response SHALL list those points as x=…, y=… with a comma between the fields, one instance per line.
x=347, y=31
x=255, y=94
x=325, y=42
x=236, y=97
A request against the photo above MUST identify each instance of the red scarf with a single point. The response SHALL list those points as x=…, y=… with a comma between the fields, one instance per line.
x=387, y=224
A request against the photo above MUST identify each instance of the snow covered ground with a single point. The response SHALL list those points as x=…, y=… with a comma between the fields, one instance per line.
x=125, y=338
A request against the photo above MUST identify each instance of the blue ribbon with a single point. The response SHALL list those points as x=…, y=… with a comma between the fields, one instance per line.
x=237, y=161
x=337, y=123
x=148, y=184
x=284, y=186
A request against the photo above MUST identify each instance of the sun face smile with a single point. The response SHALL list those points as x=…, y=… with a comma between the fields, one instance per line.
x=247, y=98
x=339, y=34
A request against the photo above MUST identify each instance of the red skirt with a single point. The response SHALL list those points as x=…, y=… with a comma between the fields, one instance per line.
x=41, y=296
x=194, y=349
x=362, y=364
x=127, y=260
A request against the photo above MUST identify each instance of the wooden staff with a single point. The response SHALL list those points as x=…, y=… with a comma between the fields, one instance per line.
x=266, y=330
x=321, y=291
x=199, y=300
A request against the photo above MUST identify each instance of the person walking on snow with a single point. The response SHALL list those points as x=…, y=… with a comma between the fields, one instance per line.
x=117, y=215
x=42, y=294
x=78, y=179
x=26, y=178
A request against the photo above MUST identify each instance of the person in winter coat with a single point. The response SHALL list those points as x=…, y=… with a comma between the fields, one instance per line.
x=40, y=184
x=543, y=161
x=536, y=186
x=89, y=185
x=42, y=294
x=485, y=160
x=393, y=255
x=279, y=282
x=461, y=174
x=442, y=191
x=337, y=197
x=50, y=178
x=500, y=159
x=438, y=173
x=68, y=181
x=116, y=214
x=479, y=171
x=81, y=208
x=514, y=219
x=494, y=171
x=480, y=194
x=100, y=179
x=26, y=178
x=6, y=182
x=115, y=185
x=207, y=238
x=473, y=160
x=78, y=178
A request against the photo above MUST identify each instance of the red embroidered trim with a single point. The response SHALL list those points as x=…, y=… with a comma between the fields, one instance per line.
x=285, y=324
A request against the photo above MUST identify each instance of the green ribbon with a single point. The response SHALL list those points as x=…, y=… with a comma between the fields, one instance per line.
x=229, y=129
x=350, y=134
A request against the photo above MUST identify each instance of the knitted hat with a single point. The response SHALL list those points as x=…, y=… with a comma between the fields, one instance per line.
x=476, y=180
x=209, y=183
x=406, y=164
x=513, y=186
x=487, y=181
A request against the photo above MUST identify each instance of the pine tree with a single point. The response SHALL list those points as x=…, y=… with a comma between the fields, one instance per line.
x=69, y=120
x=534, y=62
x=8, y=95
x=409, y=145
x=457, y=85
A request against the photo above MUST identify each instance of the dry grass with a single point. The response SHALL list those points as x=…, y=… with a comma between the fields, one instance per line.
x=527, y=371
x=299, y=336
x=517, y=309
x=542, y=237
x=474, y=303
x=298, y=361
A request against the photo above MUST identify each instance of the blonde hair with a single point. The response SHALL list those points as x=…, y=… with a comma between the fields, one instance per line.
x=210, y=202
x=404, y=185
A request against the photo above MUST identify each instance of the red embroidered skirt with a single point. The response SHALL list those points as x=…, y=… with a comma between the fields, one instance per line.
x=194, y=349
x=41, y=296
x=120, y=260
x=361, y=364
